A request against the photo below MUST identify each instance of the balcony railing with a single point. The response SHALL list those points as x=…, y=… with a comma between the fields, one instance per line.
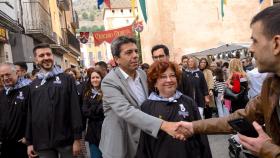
x=63, y=41
x=63, y=4
x=75, y=22
x=70, y=41
x=37, y=22
x=73, y=41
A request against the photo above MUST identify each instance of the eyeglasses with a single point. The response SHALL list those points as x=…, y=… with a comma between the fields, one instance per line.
x=165, y=77
x=158, y=57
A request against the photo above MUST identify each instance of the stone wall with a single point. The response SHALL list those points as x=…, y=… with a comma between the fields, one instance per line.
x=188, y=26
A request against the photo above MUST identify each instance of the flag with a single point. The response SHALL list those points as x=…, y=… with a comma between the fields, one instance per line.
x=223, y=2
x=138, y=26
x=133, y=7
x=100, y=2
x=107, y=2
x=84, y=37
x=143, y=8
x=265, y=3
x=110, y=35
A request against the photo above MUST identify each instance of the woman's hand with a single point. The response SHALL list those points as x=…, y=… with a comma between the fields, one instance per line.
x=222, y=97
x=229, y=86
x=210, y=92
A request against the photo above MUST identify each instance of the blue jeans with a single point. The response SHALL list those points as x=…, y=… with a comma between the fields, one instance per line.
x=222, y=110
x=95, y=151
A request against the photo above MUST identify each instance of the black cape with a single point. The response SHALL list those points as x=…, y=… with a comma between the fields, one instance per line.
x=164, y=146
x=194, y=85
x=13, y=111
x=93, y=111
x=54, y=115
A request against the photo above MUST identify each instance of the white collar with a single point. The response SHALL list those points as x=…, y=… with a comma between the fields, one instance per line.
x=126, y=76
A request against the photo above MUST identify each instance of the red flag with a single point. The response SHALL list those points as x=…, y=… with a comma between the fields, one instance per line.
x=107, y=2
x=110, y=35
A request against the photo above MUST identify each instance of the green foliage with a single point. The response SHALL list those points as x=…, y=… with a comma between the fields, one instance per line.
x=91, y=29
x=92, y=16
x=85, y=15
x=96, y=28
x=82, y=29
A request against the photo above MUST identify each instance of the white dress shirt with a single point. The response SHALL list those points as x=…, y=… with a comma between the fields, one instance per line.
x=255, y=82
x=135, y=85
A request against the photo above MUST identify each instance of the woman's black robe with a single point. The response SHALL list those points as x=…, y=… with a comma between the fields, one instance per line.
x=164, y=146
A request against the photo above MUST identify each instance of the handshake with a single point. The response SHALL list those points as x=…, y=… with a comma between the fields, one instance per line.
x=179, y=130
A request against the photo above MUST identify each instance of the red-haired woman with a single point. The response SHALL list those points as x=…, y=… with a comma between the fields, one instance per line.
x=171, y=105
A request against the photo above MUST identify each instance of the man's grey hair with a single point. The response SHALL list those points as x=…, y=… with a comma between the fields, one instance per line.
x=118, y=42
x=12, y=66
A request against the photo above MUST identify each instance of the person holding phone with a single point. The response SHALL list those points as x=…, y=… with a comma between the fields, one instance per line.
x=263, y=109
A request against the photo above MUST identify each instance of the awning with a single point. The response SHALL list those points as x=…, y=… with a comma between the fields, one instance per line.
x=222, y=49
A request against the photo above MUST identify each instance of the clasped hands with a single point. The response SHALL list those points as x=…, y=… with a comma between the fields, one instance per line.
x=178, y=130
x=183, y=130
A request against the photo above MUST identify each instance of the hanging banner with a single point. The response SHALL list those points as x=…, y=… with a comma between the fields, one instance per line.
x=110, y=35
x=143, y=9
x=84, y=37
x=138, y=26
x=3, y=37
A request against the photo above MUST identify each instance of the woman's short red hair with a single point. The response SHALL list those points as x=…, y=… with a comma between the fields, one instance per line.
x=158, y=68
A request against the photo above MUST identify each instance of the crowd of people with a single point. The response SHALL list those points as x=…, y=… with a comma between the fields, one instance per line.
x=127, y=110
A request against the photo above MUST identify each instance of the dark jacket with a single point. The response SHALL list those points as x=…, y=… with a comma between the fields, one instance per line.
x=194, y=85
x=93, y=110
x=13, y=111
x=261, y=109
x=80, y=88
x=54, y=115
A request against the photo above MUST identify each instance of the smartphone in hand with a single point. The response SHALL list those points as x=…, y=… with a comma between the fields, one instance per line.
x=244, y=127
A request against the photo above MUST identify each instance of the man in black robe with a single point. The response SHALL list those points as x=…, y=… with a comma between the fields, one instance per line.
x=54, y=124
x=13, y=109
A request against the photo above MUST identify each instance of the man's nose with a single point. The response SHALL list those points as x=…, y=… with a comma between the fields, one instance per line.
x=135, y=54
x=251, y=50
